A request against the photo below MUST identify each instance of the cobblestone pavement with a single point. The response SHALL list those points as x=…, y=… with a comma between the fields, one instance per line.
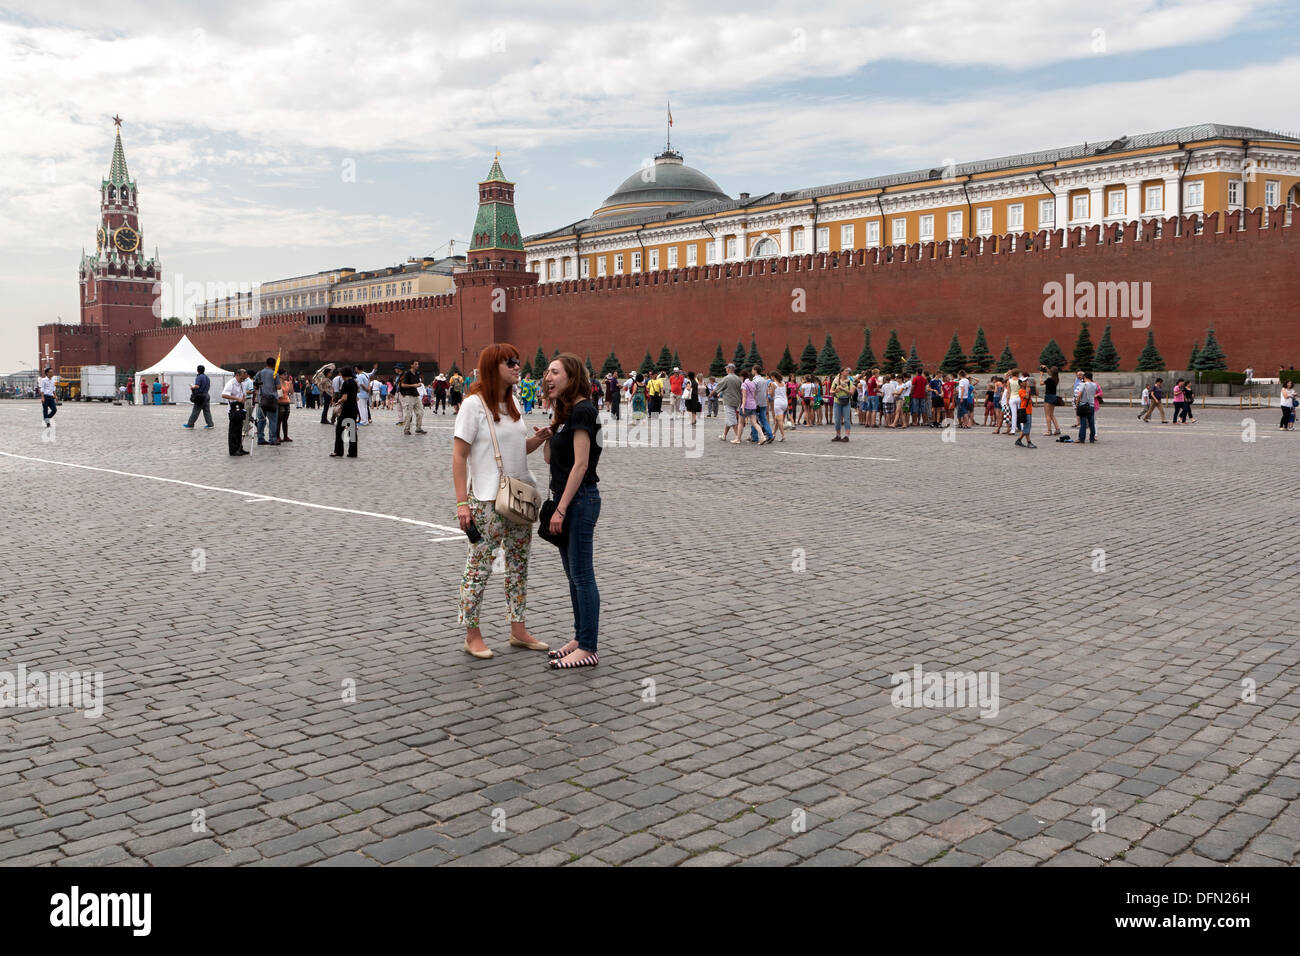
x=769, y=734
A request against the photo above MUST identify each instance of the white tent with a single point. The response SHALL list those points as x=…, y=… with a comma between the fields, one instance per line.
x=178, y=368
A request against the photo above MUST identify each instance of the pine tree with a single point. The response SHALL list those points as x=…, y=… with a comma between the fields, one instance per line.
x=1052, y=356
x=1083, y=351
x=955, y=359
x=647, y=364
x=591, y=371
x=665, y=363
x=612, y=364
x=867, y=360
x=453, y=370
x=980, y=356
x=555, y=354
x=433, y=370
x=539, y=362
x=753, y=359
x=1212, y=357
x=527, y=370
x=894, y=354
x=718, y=367
x=828, y=362
x=1006, y=361
x=1150, y=360
x=1106, y=359
x=739, y=356
x=808, y=360
x=914, y=363
x=677, y=359
x=786, y=366
x=1194, y=360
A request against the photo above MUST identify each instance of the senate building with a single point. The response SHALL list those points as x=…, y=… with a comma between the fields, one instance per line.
x=670, y=215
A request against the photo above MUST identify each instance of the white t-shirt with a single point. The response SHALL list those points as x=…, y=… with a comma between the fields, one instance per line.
x=808, y=389
x=1146, y=396
x=963, y=389
x=472, y=427
x=234, y=391
x=47, y=384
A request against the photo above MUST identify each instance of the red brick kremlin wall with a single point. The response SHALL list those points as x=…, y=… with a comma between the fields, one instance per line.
x=1245, y=282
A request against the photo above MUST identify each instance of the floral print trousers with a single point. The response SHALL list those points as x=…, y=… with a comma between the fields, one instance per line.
x=515, y=540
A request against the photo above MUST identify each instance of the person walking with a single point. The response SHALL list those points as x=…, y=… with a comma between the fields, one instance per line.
x=345, y=403
x=613, y=394
x=490, y=439
x=286, y=403
x=780, y=405
x=130, y=390
x=234, y=393
x=363, y=394
x=841, y=392
x=1025, y=412
x=1086, y=408
x=1157, y=399
x=456, y=387
x=711, y=395
x=267, y=390
x=324, y=382
x=730, y=393
x=440, y=395
x=1051, y=399
x=412, y=408
x=47, y=384
x=1287, y=401
x=573, y=452
x=200, y=397
x=761, y=389
x=158, y=393
x=690, y=397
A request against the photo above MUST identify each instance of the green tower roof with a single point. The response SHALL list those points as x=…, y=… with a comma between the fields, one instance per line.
x=495, y=226
x=495, y=175
x=117, y=174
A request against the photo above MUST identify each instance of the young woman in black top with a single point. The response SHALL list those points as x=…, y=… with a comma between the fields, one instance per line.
x=346, y=401
x=573, y=452
x=1051, y=399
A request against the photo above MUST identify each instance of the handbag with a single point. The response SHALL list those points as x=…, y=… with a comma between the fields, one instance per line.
x=518, y=500
x=560, y=540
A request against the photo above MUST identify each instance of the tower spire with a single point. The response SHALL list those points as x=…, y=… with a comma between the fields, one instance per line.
x=117, y=174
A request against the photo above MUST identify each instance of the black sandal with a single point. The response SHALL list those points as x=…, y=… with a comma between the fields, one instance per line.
x=557, y=654
x=557, y=664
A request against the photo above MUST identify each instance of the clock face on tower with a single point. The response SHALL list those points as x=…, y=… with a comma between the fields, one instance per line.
x=126, y=239
x=101, y=237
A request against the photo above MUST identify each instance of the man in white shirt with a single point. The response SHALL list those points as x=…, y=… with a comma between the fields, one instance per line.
x=45, y=387
x=363, y=394
x=236, y=393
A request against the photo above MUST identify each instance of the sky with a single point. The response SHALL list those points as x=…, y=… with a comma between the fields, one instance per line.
x=276, y=139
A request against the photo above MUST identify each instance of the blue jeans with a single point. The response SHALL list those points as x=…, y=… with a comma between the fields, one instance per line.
x=842, y=416
x=584, y=509
x=1087, y=421
x=761, y=414
x=49, y=407
x=272, y=420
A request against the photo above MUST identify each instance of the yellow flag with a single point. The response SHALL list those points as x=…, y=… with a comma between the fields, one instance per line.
x=277, y=362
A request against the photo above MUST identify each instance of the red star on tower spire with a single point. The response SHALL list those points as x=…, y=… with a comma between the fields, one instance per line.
x=117, y=121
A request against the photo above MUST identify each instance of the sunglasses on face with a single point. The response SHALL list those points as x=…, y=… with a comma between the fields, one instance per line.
x=512, y=363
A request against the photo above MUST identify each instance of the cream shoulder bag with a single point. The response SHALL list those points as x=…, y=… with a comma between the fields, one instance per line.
x=518, y=500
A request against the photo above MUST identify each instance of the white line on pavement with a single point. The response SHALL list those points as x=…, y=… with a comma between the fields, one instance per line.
x=249, y=495
x=809, y=454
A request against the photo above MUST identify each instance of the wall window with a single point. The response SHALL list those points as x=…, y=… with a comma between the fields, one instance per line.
x=672, y=257
x=1115, y=202
x=550, y=269
x=846, y=237
x=984, y=221
x=711, y=251
x=955, y=228
x=1234, y=192
x=654, y=260
x=1046, y=213
x=873, y=234
x=796, y=240
x=636, y=262
x=731, y=247
x=1080, y=208
x=584, y=268
x=618, y=264
x=898, y=234
x=1272, y=192
x=1016, y=217
x=925, y=229
x=692, y=254
x=1155, y=198
x=601, y=265
x=823, y=239
x=568, y=268
x=1194, y=196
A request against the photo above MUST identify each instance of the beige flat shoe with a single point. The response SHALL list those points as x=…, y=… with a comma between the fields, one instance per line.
x=533, y=646
x=481, y=655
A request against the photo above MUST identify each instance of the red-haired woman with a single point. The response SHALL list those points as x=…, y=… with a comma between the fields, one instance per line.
x=573, y=452
x=476, y=471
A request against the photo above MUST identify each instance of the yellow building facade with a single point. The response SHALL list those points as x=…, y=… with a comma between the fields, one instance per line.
x=669, y=216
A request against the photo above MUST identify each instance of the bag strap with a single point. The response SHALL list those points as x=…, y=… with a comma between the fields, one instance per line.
x=496, y=449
